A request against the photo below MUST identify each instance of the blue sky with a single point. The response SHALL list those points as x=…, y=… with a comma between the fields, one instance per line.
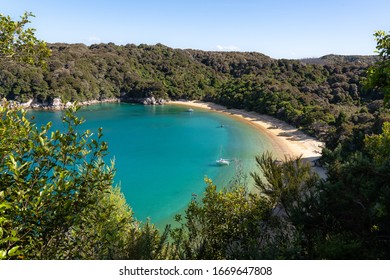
x=278, y=28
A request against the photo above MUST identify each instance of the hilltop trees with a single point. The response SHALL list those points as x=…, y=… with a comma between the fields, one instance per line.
x=308, y=94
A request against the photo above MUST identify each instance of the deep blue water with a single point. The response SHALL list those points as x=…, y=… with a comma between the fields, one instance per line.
x=163, y=153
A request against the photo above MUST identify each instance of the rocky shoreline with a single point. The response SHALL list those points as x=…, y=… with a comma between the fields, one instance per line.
x=146, y=101
x=57, y=104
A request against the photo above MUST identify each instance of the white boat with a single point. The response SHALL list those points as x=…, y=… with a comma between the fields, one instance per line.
x=221, y=160
x=190, y=110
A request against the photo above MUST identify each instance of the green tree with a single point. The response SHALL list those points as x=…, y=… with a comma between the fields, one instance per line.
x=18, y=43
x=349, y=217
x=378, y=76
x=49, y=178
x=284, y=184
x=228, y=224
x=108, y=230
x=291, y=187
x=378, y=146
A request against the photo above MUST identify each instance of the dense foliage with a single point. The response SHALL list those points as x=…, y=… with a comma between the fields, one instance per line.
x=322, y=96
x=224, y=224
x=56, y=195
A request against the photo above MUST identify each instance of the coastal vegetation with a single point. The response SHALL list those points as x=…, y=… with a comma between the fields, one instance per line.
x=324, y=97
x=57, y=199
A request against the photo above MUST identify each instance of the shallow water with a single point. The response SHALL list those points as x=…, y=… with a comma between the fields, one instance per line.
x=163, y=153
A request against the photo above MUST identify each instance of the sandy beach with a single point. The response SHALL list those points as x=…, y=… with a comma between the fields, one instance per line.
x=286, y=139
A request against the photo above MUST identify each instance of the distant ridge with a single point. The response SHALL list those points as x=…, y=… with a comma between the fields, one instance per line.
x=341, y=59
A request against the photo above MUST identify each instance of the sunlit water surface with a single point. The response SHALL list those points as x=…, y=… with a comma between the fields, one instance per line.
x=163, y=153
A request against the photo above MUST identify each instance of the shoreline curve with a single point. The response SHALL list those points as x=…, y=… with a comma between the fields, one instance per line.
x=285, y=138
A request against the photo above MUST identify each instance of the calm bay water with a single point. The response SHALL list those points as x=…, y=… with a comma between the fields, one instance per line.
x=163, y=153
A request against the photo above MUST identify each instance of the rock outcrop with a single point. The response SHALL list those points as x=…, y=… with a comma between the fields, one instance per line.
x=153, y=101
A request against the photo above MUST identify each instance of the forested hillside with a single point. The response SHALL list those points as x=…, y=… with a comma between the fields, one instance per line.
x=319, y=95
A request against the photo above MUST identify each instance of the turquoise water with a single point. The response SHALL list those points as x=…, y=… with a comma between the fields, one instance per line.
x=163, y=153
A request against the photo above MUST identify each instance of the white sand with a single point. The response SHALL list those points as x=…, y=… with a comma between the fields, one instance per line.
x=286, y=139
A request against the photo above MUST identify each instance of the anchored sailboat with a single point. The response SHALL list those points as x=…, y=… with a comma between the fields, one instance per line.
x=221, y=160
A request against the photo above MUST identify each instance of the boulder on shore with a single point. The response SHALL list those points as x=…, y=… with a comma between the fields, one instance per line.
x=153, y=101
x=57, y=102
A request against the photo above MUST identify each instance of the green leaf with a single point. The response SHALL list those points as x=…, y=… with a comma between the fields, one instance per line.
x=11, y=157
x=13, y=251
x=3, y=254
x=41, y=140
